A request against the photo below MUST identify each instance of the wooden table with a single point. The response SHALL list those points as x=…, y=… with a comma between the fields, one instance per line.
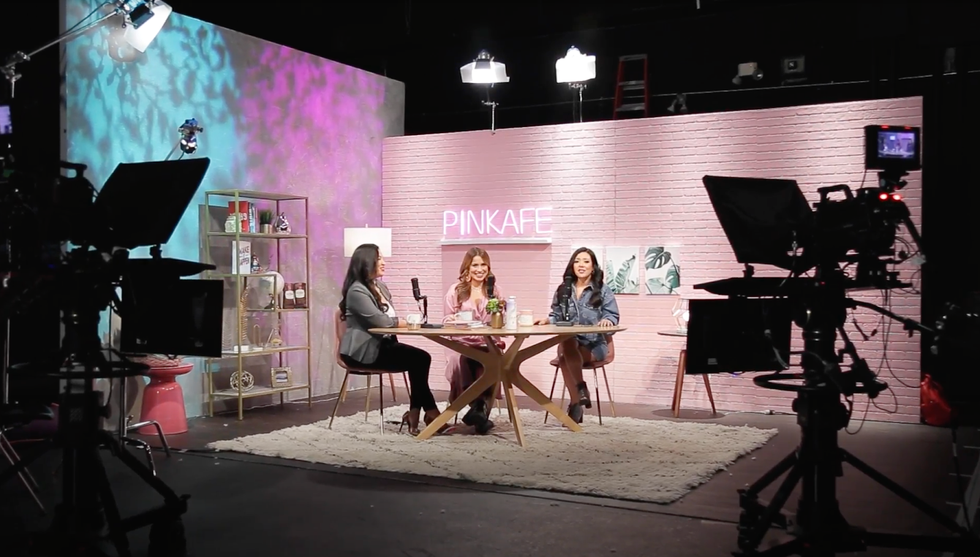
x=675, y=405
x=500, y=367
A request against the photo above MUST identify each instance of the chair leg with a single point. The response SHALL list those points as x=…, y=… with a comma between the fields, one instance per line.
x=343, y=388
x=156, y=425
x=394, y=397
x=367, y=399
x=340, y=397
x=679, y=383
x=381, y=401
x=408, y=389
x=598, y=394
x=552, y=395
x=612, y=405
x=25, y=477
x=711, y=398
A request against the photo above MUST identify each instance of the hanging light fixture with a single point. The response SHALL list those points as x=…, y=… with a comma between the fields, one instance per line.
x=486, y=71
x=575, y=69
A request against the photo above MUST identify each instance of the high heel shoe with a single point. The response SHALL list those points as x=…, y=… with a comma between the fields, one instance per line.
x=431, y=416
x=575, y=412
x=583, y=395
x=411, y=419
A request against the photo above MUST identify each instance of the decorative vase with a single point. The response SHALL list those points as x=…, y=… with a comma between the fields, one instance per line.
x=266, y=229
x=497, y=320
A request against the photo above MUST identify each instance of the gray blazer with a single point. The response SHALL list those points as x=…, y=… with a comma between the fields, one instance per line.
x=363, y=313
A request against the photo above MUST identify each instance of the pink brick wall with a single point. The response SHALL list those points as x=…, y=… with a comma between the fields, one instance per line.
x=638, y=183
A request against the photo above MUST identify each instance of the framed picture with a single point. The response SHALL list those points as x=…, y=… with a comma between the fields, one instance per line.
x=282, y=377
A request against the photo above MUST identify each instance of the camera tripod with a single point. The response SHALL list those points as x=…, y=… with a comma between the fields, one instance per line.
x=820, y=529
x=88, y=507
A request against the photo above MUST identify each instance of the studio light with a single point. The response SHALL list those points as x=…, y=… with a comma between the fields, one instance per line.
x=487, y=72
x=484, y=70
x=188, y=137
x=139, y=20
x=575, y=69
x=748, y=69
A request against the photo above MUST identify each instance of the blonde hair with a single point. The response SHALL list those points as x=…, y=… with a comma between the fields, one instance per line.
x=463, y=288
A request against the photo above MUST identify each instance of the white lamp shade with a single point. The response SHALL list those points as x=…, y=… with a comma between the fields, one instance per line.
x=141, y=37
x=575, y=67
x=354, y=237
x=484, y=72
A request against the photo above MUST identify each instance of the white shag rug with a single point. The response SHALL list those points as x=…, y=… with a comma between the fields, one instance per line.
x=626, y=458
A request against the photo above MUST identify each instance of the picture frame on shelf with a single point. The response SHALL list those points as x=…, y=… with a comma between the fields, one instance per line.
x=281, y=377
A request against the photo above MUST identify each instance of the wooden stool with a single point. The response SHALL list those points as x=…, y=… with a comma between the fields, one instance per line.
x=679, y=384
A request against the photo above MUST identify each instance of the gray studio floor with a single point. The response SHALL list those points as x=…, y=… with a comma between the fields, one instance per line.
x=244, y=505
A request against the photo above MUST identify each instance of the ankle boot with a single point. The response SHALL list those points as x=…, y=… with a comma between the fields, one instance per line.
x=583, y=395
x=477, y=414
x=575, y=412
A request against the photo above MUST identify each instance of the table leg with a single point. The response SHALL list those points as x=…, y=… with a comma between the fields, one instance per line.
x=515, y=417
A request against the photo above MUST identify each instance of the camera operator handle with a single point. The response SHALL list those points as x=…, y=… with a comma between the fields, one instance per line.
x=831, y=189
x=913, y=232
x=909, y=324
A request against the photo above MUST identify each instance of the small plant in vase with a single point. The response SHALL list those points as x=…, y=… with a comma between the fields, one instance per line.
x=496, y=310
x=266, y=216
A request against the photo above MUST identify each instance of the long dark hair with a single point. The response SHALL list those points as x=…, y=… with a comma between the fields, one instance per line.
x=363, y=268
x=463, y=286
x=597, y=276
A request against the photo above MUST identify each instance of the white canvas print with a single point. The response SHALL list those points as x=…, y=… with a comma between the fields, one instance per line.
x=622, y=270
x=662, y=272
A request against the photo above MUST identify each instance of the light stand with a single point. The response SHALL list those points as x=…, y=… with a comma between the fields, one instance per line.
x=493, y=110
x=580, y=87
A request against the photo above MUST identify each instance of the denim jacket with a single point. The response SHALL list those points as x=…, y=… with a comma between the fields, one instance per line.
x=580, y=312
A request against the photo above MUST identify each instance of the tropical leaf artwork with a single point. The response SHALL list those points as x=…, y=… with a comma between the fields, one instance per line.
x=663, y=274
x=622, y=270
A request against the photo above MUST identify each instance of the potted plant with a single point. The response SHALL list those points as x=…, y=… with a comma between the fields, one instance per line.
x=496, y=310
x=265, y=221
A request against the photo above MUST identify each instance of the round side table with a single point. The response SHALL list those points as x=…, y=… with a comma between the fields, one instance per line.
x=163, y=400
x=675, y=405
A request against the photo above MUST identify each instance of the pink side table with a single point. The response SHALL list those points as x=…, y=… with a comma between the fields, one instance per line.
x=163, y=401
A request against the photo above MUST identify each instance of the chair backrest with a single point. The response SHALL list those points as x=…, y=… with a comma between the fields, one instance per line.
x=339, y=328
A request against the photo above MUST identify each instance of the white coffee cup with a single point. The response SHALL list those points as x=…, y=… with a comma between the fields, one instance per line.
x=414, y=320
x=525, y=318
x=464, y=316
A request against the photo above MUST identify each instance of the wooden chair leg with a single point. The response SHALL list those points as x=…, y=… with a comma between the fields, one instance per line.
x=711, y=399
x=343, y=388
x=381, y=400
x=679, y=383
x=394, y=397
x=552, y=395
x=407, y=388
x=367, y=399
x=598, y=397
x=612, y=405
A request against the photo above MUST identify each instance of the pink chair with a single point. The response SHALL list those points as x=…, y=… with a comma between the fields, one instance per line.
x=163, y=398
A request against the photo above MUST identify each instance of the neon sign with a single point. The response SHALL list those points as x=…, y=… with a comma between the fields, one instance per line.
x=531, y=225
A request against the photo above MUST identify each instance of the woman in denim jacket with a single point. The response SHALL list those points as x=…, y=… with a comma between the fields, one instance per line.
x=591, y=303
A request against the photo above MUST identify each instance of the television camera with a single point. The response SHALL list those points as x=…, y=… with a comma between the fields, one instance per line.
x=62, y=239
x=839, y=246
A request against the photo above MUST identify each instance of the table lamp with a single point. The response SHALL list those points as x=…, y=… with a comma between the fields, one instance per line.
x=354, y=237
x=682, y=314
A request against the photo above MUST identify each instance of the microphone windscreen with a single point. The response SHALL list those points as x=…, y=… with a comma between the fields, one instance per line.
x=415, y=289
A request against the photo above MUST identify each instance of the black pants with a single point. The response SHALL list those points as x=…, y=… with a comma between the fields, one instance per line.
x=475, y=371
x=396, y=356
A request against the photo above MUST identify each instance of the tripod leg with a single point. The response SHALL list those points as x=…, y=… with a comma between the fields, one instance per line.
x=750, y=535
x=169, y=495
x=905, y=494
x=116, y=532
x=25, y=477
x=772, y=475
x=23, y=463
x=14, y=457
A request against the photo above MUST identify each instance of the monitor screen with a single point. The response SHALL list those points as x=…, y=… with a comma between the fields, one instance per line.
x=896, y=144
x=738, y=335
x=6, y=120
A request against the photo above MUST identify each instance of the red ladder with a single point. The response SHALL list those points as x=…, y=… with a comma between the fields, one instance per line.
x=628, y=102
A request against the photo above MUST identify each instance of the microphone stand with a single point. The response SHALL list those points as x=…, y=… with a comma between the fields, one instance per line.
x=423, y=303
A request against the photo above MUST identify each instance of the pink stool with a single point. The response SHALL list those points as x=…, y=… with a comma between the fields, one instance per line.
x=163, y=401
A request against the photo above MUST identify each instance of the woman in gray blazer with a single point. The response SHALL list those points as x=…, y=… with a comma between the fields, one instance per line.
x=364, y=306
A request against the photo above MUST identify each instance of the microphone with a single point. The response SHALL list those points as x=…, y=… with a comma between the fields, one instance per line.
x=566, y=294
x=415, y=289
x=491, y=282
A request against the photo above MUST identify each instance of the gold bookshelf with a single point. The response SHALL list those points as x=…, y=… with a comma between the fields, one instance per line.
x=209, y=238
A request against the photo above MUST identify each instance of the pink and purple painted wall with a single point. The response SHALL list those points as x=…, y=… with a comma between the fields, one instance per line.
x=633, y=184
x=275, y=120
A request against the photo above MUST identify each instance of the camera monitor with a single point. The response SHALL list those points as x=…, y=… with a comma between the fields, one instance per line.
x=738, y=335
x=897, y=148
x=164, y=315
x=762, y=218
